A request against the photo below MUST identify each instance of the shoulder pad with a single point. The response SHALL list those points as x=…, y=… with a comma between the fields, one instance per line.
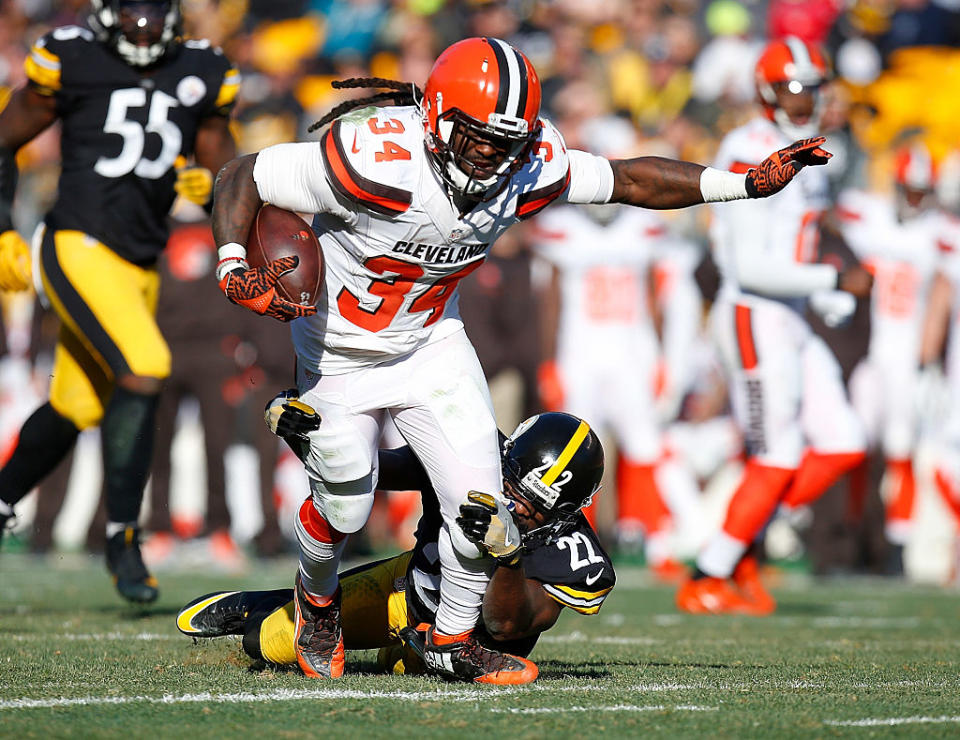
x=546, y=175
x=43, y=63
x=575, y=570
x=372, y=157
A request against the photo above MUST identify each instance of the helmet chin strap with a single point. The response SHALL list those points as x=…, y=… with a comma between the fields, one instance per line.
x=139, y=56
x=798, y=130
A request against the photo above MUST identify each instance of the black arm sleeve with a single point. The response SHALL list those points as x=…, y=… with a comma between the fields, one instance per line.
x=8, y=187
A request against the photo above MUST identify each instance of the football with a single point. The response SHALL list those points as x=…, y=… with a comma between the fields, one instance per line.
x=277, y=233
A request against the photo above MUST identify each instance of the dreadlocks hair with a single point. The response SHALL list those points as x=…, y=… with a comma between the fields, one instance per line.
x=401, y=93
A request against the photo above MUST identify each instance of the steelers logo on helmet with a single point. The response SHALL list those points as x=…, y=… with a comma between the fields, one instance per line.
x=481, y=109
x=554, y=461
x=789, y=74
x=140, y=31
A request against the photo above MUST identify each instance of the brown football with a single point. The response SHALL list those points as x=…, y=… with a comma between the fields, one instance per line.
x=277, y=233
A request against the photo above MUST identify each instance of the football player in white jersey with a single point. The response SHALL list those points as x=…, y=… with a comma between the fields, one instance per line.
x=800, y=431
x=408, y=199
x=602, y=355
x=899, y=240
x=942, y=326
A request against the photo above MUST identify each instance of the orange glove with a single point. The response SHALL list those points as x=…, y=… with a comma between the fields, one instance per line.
x=256, y=288
x=772, y=174
x=550, y=386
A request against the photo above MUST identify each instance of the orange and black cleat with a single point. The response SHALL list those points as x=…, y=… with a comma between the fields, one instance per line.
x=319, y=637
x=461, y=658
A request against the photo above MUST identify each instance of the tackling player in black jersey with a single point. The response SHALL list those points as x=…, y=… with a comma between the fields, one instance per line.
x=135, y=103
x=548, y=557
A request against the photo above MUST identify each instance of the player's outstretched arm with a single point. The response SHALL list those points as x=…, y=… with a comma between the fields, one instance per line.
x=659, y=183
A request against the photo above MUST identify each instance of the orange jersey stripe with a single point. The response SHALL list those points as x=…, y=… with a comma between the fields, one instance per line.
x=748, y=351
x=351, y=184
x=530, y=204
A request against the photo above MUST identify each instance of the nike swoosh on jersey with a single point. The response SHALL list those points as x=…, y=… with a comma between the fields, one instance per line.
x=355, y=149
x=593, y=579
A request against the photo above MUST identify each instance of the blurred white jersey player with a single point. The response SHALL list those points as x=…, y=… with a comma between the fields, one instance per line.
x=942, y=325
x=602, y=355
x=900, y=240
x=786, y=391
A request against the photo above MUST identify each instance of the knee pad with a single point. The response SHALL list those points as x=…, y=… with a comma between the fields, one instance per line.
x=345, y=511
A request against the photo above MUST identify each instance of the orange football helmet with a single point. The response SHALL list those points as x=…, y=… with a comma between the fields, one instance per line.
x=915, y=175
x=481, y=89
x=793, y=66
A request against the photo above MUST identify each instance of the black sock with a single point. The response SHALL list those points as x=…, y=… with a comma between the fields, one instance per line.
x=127, y=432
x=45, y=439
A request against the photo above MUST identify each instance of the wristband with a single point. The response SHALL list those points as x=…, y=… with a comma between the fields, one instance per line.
x=232, y=256
x=717, y=186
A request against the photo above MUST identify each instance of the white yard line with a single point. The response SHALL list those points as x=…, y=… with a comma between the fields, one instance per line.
x=250, y=697
x=96, y=636
x=891, y=721
x=611, y=708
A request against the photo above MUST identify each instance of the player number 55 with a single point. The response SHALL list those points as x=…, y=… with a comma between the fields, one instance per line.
x=131, y=158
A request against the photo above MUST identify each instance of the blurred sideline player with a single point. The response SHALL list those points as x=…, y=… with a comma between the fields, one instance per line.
x=560, y=562
x=899, y=240
x=408, y=200
x=603, y=348
x=941, y=335
x=787, y=394
x=134, y=101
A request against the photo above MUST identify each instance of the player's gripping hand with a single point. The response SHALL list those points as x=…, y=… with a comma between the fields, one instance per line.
x=15, y=269
x=487, y=521
x=772, y=174
x=255, y=288
x=287, y=416
x=194, y=183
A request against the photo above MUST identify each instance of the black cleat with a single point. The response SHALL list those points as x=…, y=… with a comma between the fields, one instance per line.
x=468, y=660
x=225, y=612
x=126, y=565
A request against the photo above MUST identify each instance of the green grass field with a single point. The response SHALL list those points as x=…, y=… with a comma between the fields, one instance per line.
x=850, y=658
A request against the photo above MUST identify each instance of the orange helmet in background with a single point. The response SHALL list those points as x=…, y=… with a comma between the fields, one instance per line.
x=915, y=175
x=913, y=168
x=790, y=66
x=480, y=88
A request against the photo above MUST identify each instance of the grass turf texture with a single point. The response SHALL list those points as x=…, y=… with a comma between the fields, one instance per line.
x=75, y=660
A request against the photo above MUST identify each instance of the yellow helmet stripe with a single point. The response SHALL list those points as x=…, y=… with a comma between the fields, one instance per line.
x=568, y=452
x=185, y=618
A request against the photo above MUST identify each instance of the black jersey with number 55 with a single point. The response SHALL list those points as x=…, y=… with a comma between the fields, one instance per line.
x=122, y=130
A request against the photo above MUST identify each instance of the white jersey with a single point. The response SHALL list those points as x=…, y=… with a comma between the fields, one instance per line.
x=765, y=246
x=903, y=258
x=604, y=276
x=950, y=269
x=394, y=244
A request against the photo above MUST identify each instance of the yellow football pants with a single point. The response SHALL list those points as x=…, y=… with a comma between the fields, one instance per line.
x=373, y=611
x=106, y=307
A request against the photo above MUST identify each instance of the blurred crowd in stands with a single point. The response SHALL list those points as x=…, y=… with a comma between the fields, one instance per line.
x=675, y=74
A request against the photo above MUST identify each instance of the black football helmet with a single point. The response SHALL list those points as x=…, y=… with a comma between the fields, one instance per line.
x=554, y=461
x=140, y=31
